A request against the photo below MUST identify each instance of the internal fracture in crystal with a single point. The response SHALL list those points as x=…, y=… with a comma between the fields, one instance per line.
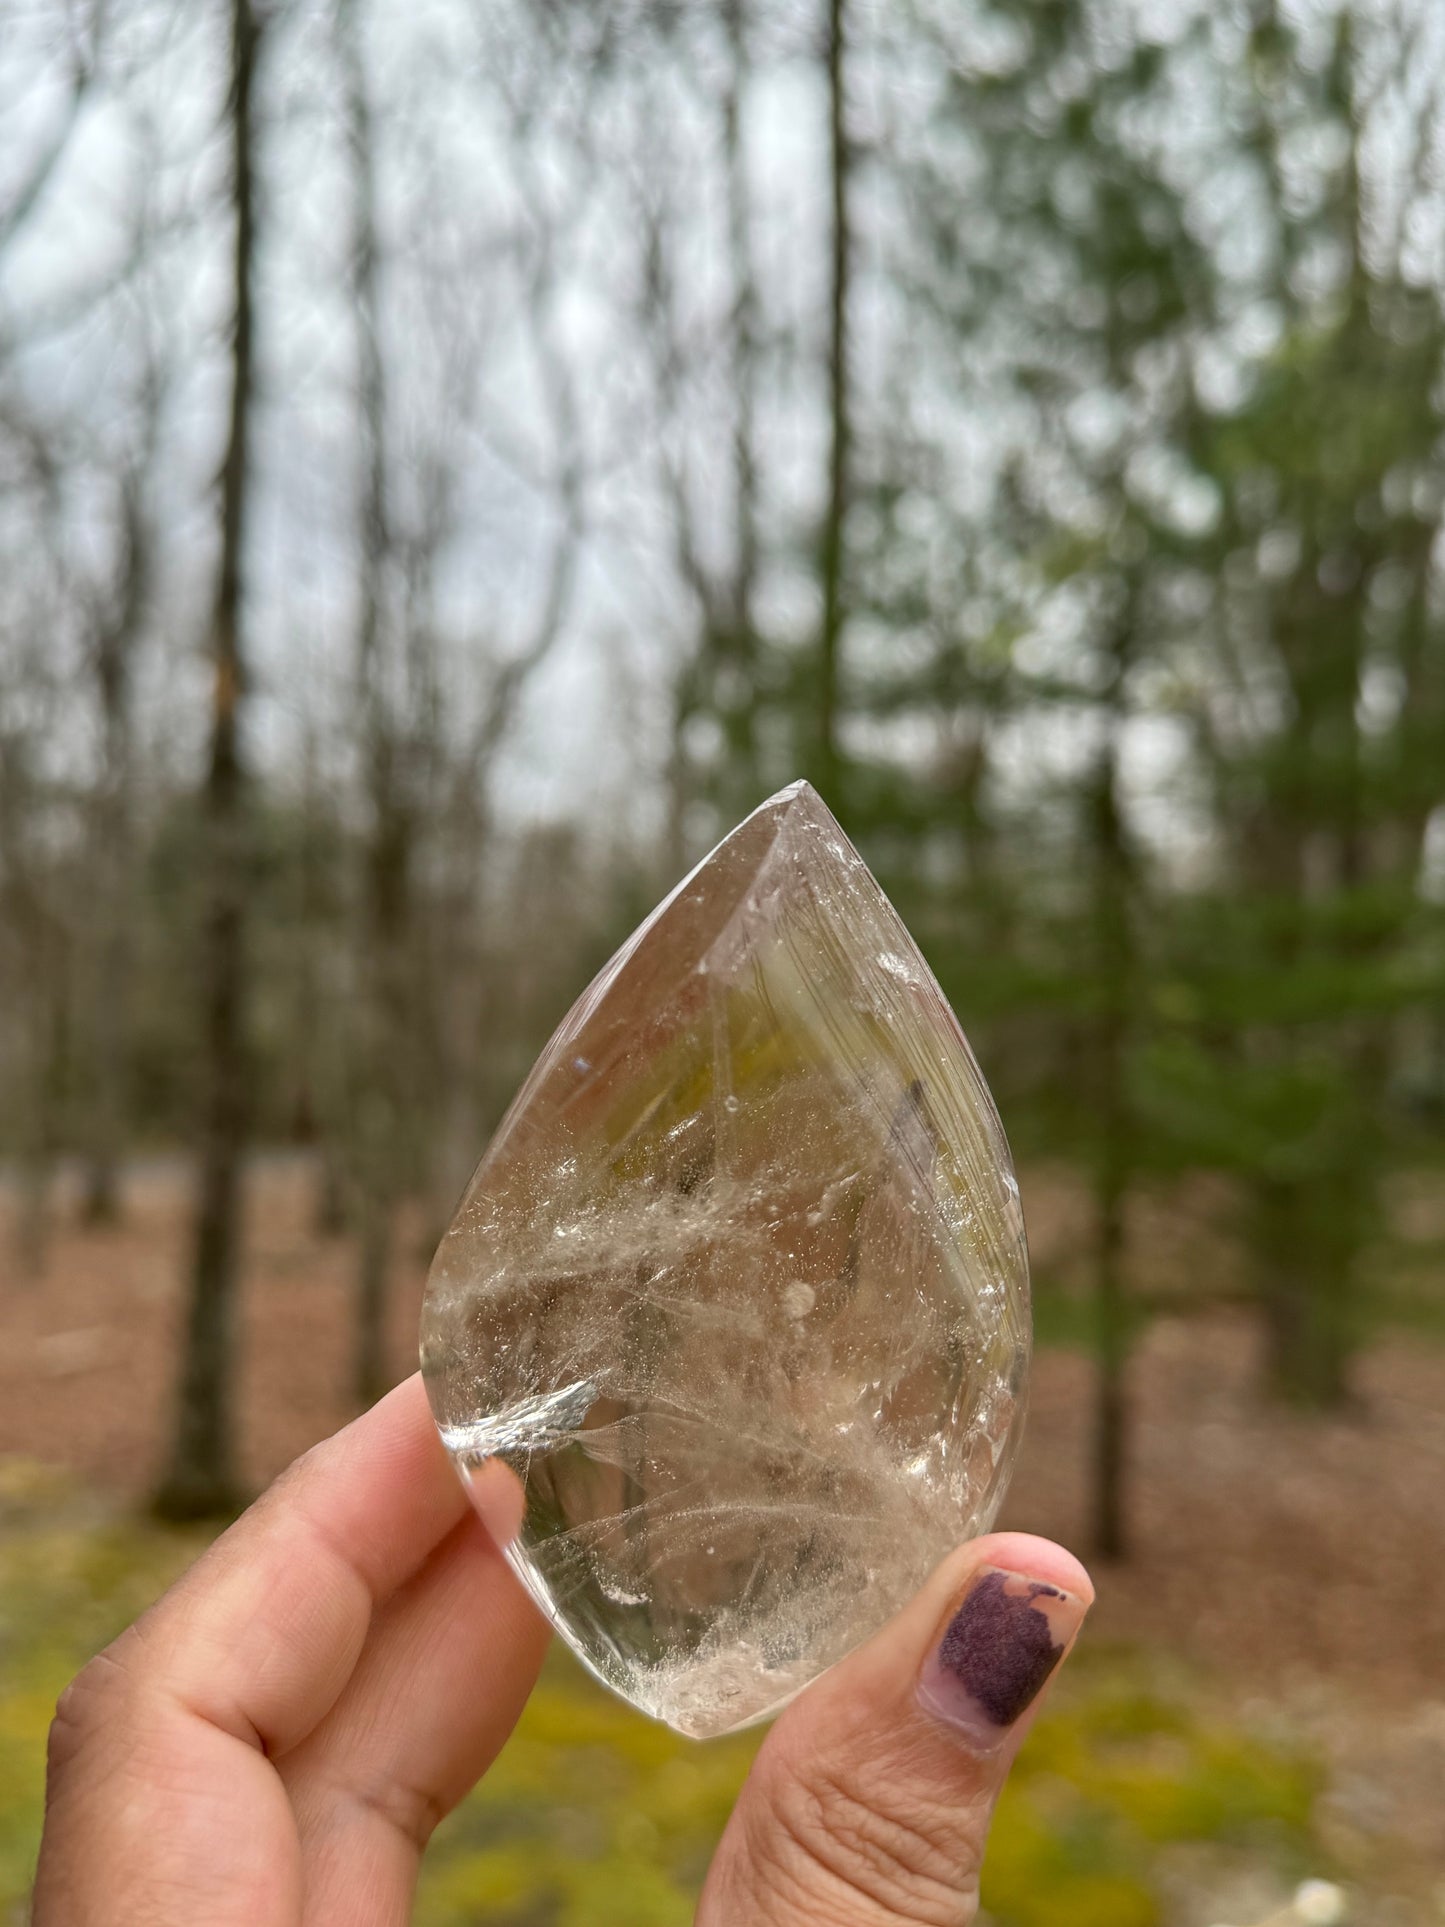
x=739, y=1291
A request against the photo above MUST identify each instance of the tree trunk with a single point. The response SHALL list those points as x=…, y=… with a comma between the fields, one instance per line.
x=388, y=856
x=378, y=1186
x=832, y=547
x=376, y=1213
x=41, y=1114
x=1114, y=962
x=110, y=987
x=1111, y=1177
x=1111, y=1409
x=743, y=697
x=199, y=1480
x=329, y=1212
x=39, y=1100
x=1308, y=1264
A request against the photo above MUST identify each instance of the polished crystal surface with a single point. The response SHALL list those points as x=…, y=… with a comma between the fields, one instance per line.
x=739, y=1290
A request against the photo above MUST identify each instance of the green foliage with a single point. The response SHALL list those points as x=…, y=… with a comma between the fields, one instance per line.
x=1223, y=978
x=66, y=1588
x=1116, y=1773
x=596, y=1817
x=591, y=1815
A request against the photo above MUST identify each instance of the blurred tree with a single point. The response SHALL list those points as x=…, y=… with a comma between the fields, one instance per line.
x=1117, y=967
x=199, y=1479
x=1322, y=721
x=387, y=740
x=37, y=956
x=832, y=544
x=42, y=464
x=119, y=616
x=1211, y=532
x=315, y=868
x=1025, y=421
x=724, y=681
x=1031, y=609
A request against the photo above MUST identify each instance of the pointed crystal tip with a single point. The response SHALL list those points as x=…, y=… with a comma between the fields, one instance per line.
x=739, y=1291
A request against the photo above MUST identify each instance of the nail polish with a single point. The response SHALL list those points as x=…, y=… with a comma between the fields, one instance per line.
x=998, y=1648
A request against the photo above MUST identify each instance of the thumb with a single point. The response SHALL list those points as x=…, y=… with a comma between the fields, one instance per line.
x=870, y=1801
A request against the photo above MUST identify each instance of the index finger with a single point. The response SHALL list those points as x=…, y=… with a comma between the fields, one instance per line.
x=263, y=1632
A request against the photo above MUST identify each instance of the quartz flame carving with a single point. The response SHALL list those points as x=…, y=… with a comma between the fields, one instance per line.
x=739, y=1291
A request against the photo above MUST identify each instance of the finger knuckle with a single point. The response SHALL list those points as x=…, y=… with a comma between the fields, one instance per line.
x=891, y=1856
x=413, y=1812
x=337, y=1800
x=90, y=1705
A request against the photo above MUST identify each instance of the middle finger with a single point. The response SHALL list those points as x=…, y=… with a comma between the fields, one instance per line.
x=444, y=1675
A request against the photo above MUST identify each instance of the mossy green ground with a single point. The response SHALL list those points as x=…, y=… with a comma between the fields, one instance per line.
x=595, y=1817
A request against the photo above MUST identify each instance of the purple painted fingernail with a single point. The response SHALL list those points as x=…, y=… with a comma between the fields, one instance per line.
x=997, y=1650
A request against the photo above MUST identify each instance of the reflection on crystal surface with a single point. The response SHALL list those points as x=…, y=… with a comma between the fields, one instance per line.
x=739, y=1290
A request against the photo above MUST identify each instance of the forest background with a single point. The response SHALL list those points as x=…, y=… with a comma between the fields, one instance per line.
x=453, y=462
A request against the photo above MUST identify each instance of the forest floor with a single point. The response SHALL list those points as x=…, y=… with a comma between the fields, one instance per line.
x=1281, y=1599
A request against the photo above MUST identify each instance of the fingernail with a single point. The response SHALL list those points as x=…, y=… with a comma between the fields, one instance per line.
x=497, y=1495
x=999, y=1646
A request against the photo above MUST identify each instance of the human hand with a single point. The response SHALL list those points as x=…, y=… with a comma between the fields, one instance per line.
x=273, y=1743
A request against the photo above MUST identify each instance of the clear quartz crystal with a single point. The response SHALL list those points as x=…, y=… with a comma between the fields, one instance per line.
x=739, y=1290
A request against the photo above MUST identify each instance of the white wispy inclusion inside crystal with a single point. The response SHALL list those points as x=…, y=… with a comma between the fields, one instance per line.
x=739, y=1290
